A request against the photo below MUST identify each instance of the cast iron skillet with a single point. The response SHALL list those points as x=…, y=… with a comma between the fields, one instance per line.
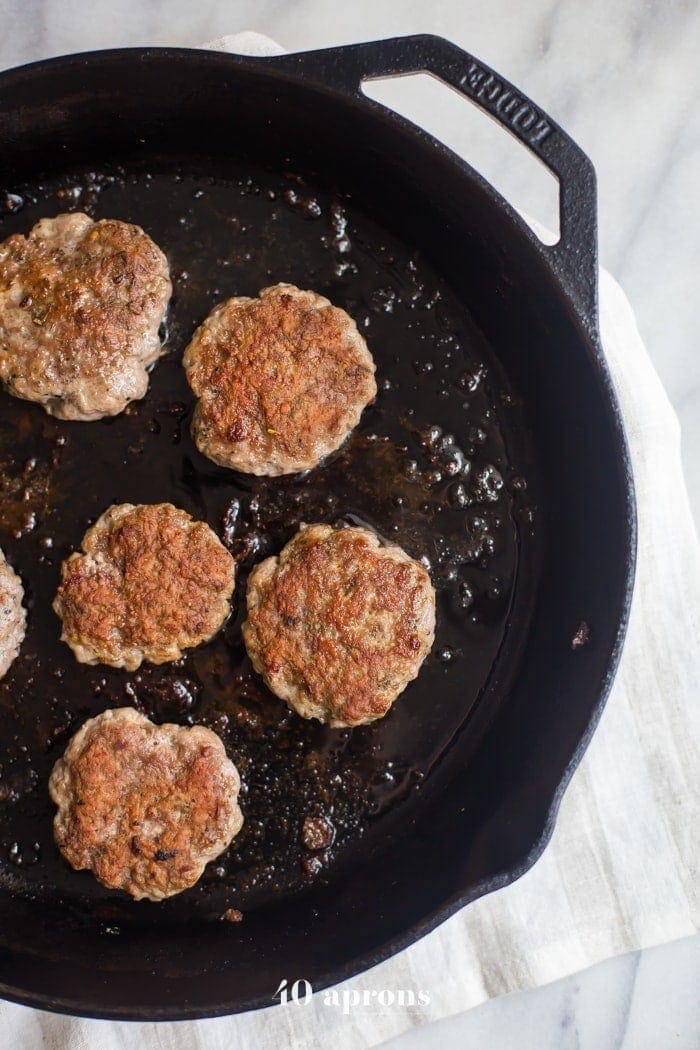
x=495, y=451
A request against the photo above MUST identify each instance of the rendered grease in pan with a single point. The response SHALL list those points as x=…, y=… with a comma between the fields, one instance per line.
x=428, y=468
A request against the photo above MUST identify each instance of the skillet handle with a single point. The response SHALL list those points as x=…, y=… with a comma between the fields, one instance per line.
x=574, y=257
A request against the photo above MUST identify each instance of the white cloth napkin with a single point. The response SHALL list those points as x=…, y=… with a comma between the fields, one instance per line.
x=619, y=873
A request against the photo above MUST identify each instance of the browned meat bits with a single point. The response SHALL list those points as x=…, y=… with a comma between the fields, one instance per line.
x=13, y=617
x=144, y=807
x=281, y=381
x=338, y=624
x=81, y=303
x=149, y=583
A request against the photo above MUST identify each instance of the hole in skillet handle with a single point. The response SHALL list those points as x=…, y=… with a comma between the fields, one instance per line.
x=518, y=175
x=574, y=257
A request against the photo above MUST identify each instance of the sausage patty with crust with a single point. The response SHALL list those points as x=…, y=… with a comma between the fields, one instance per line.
x=80, y=307
x=149, y=583
x=281, y=381
x=144, y=807
x=338, y=624
x=13, y=618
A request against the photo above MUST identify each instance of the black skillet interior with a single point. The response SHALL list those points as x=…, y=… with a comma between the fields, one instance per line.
x=492, y=452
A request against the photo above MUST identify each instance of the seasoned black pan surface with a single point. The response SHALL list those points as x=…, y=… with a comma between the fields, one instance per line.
x=428, y=468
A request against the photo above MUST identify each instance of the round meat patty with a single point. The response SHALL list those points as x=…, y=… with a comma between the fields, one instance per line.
x=144, y=807
x=13, y=617
x=150, y=583
x=338, y=624
x=80, y=307
x=281, y=381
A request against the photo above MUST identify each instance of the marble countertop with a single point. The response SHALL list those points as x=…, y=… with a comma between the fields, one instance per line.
x=623, y=78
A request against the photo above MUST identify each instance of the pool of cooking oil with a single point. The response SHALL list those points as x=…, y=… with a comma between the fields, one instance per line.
x=428, y=468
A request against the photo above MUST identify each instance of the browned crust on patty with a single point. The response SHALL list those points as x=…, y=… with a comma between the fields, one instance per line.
x=80, y=307
x=13, y=617
x=149, y=583
x=281, y=381
x=338, y=624
x=144, y=807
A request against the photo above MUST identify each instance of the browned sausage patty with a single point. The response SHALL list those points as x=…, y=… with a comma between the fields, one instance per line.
x=13, y=617
x=338, y=624
x=149, y=583
x=144, y=807
x=80, y=307
x=281, y=381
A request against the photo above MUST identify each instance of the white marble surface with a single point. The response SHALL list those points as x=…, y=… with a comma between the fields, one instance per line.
x=623, y=77
x=644, y=1001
